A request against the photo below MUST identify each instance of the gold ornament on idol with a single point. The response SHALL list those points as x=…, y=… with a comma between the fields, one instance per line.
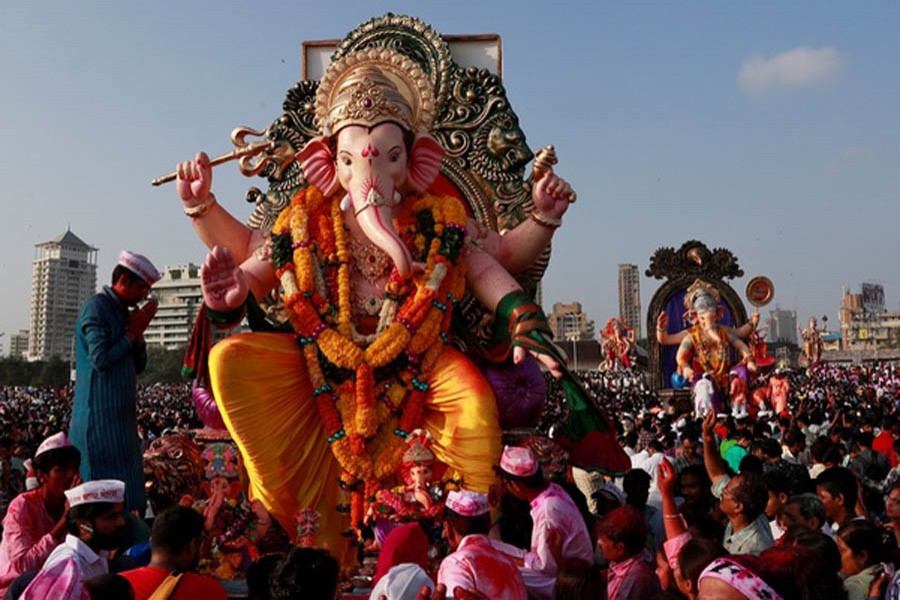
x=374, y=86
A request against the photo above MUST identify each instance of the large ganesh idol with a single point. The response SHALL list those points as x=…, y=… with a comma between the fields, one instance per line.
x=372, y=258
x=705, y=348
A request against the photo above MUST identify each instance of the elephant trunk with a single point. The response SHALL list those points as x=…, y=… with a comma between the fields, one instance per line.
x=373, y=213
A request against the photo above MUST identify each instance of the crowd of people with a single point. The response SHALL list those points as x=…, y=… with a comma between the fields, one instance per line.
x=804, y=503
x=28, y=414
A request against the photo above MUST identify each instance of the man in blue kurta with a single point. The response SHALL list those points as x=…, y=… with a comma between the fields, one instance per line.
x=109, y=354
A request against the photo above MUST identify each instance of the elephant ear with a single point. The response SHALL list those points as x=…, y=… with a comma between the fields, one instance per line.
x=424, y=162
x=318, y=166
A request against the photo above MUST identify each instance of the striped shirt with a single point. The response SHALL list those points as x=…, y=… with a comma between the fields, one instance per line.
x=104, y=419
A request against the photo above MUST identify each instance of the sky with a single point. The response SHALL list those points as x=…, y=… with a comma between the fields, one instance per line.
x=771, y=129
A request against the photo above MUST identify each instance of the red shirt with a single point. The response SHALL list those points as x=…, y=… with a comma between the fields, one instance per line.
x=884, y=444
x=145, y=580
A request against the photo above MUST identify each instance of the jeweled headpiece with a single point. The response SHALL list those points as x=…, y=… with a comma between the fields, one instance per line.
x=418, y=452
x=221, y=461
x=373, y=86
x=701, y=296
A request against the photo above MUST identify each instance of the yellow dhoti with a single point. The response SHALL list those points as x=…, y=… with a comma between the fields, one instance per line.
x=261, y=385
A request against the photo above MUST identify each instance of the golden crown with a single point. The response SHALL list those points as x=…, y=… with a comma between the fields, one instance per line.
x=417, y=451
x=374, y=86
x=697, y=289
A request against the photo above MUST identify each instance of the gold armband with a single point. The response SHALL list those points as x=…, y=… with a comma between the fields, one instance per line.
x=545, y=221
x=200, y=210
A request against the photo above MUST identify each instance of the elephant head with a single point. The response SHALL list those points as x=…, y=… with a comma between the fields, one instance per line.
x=374, y=165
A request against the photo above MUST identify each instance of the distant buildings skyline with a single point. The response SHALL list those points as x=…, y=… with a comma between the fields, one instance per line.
x=65, y=275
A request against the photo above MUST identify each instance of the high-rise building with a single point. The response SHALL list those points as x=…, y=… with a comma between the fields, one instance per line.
x=569, y=322
x=180, y=296
x=64, y=276
x=18, y=344
x=782, y=326
x=630, y=297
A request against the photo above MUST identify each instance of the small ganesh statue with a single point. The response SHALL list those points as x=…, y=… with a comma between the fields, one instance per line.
x=813, y=342
x=420, y=497
x=706, y=346
x=233, y=523
x=616, y=345
x=757, y=342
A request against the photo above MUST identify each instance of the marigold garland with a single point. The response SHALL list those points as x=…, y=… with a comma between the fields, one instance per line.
x=367, y=420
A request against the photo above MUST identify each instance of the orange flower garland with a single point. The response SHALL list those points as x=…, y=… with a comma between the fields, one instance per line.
x=367, y=436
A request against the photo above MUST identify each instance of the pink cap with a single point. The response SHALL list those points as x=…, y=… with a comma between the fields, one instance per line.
x=468, y=504
x=140, y=265
x=101, y=490
x=518, y=461
x=57, y=440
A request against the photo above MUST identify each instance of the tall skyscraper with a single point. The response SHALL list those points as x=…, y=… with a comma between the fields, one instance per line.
x=64, y=276
x=630, y=297
x=782, y=326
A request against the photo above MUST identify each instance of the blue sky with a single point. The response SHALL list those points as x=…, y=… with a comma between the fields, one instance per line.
x=792, y=165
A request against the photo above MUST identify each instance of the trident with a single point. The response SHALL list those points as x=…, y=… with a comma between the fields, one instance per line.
x=265, y=152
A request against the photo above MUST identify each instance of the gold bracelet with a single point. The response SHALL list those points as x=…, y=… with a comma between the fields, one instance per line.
x=545, y=221
x=200, y=210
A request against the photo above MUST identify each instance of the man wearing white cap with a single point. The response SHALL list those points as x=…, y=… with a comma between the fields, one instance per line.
x=402, y=582
x=95, y=523
x=554, y=514
x=36, y=521
x=109, y=353
x=475, y=564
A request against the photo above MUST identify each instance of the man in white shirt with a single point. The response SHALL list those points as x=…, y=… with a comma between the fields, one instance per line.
x=95, y=522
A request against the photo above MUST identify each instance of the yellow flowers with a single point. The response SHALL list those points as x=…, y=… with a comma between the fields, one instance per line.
x=367, y=419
